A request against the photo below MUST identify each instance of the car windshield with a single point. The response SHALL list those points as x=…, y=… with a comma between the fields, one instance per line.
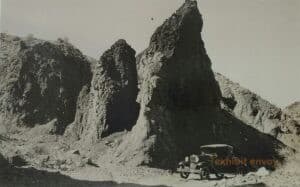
x=220, y=150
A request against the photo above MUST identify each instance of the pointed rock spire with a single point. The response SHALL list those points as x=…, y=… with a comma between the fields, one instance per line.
x=110, y=104
x=177, y=83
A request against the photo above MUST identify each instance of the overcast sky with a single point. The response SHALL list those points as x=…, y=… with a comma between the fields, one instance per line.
x=253, y=42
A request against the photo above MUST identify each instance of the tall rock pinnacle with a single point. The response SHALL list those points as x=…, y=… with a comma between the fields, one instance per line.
x=177, y=84
x=177, y=52
x=180, y=101
x=110, y=105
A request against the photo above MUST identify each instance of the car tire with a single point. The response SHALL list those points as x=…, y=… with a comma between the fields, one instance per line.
x=219, y=176
x=241, y=170
x=204, y=174
x=184, y=175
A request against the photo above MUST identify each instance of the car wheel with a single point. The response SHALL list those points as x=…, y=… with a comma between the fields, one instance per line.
x=183, y=174
x=241, y=170
x=204, y=173
x=219, y=175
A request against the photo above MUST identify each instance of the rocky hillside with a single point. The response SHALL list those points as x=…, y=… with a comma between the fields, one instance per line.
x=291, y=135
x=109, y=105
x=259, y=113
x=294, y=110
x=181, y=105
x=40, y=82
x=249, y=107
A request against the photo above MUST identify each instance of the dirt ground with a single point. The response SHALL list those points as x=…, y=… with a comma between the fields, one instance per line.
x=51, y=161
x=135, y=177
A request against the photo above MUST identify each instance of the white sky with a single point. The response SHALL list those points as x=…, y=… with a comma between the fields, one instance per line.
x=253, y=42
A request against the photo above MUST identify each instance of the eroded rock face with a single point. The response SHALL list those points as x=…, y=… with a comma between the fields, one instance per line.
x=180, y=101
x=290, y=130
x=40, y=82
x=177, y=57
x=259, y=113
x=110, y=104
x=179, y=97
x=249, y=107
x=294, y=110
x=177, y=84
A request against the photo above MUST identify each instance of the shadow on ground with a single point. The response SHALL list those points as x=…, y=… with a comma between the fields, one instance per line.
x=31, y=177
x=252, y=185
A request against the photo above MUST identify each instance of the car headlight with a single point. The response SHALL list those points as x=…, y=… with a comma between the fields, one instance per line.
x=194, y=158
x=186, y=159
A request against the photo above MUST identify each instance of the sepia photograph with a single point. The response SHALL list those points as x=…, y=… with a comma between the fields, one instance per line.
x=149, y=93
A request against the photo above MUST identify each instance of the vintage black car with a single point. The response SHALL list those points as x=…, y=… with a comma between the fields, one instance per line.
x=204, y=163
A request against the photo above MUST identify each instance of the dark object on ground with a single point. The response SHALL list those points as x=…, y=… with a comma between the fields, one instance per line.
x=17, y=160
x=252, y=185
x=3, y=162
x=91, y=163
x=76, y=152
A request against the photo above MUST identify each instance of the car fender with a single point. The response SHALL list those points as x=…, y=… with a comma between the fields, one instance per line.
x=181, y=163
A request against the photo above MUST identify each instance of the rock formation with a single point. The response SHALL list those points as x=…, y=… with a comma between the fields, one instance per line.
x=259, y=113
x=110, y=104
x=290, y=130
x=40, y=82
x=176, y=81
x=180, y=100
x=249, y=107
x=181, y=104
x=294, y=110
